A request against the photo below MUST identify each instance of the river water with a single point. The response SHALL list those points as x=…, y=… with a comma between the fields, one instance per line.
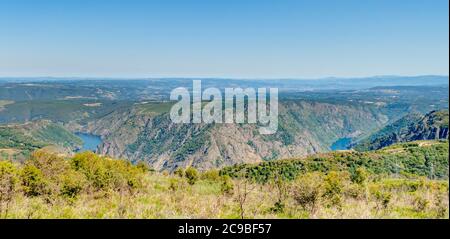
x=90, y=142
x=341, y=144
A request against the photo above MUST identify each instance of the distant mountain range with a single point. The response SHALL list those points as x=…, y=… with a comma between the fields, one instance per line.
x=159, y=88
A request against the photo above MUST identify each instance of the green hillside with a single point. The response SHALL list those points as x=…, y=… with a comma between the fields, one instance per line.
x=421, y=158
x=19, y=140
x=433, y=125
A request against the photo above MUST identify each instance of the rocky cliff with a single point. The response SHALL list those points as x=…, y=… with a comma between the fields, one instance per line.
x=146, y=133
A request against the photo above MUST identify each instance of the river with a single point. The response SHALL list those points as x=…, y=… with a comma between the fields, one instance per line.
x=341, y=144
x=90, y=142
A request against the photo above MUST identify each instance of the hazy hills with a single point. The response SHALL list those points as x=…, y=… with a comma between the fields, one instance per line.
x=21, y=89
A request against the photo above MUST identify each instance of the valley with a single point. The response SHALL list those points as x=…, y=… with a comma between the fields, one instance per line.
x=224, y=110
x=130, y=119
x=72, y=148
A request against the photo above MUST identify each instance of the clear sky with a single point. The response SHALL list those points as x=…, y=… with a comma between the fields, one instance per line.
x=224, y=38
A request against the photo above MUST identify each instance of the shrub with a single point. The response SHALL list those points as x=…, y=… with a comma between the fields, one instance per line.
x=420, y=203
x=8, y=185
x=382, y=198
x=278, y=207
x=142, y=165
x=307, y=189
x=333, y=187
x=191, y=175
x=441, y=207
x=33, y=181
x=179, y=172
x=226, y=187
x=92, y=167
x=45, y=174
x=72, y=184
x=355, y=191
x=174, y=184
x=333, y=184
x=51, y=165
x=107, y=174
x=359, y=176
x=211, y=175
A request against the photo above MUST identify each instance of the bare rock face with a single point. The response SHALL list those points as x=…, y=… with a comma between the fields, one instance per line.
x=304, y=128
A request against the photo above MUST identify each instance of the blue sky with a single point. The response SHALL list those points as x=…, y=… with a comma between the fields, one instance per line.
x=224, y=38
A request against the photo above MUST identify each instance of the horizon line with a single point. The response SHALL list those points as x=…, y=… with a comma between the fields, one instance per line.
x=217, y=77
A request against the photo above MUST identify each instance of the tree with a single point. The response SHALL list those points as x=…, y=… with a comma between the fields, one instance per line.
x=280, y=186
x=244, y=186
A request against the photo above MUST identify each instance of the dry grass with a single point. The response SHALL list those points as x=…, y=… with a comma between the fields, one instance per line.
x=172, y=197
